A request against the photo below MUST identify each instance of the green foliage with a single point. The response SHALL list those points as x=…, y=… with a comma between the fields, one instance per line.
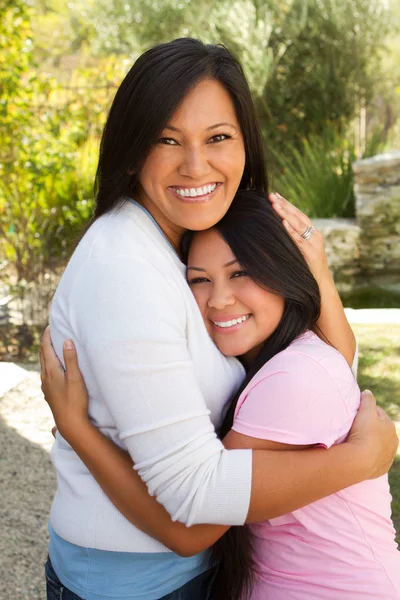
x=43, y=204
x=379, y=371
x=327, y=68
x=307, y=61
x=317, y=177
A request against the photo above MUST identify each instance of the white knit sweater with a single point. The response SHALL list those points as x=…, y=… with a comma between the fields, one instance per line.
x=157, y=386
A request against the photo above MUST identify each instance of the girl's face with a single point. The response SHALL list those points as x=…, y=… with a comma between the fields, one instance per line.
x=239, y=314
x=191, y=175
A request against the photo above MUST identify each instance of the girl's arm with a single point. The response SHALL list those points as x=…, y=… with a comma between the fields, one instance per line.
x=281, y=481
x=333, y=322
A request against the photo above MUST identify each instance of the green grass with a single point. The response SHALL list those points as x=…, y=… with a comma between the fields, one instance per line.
x=379, y=371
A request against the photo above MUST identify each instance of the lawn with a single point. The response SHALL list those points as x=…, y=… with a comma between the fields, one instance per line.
x=379, y=371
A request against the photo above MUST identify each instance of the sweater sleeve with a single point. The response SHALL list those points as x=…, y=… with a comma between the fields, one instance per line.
x=131, y=322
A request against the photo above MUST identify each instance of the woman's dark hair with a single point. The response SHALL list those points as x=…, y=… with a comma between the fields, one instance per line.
x=271, y=258
x=148, y=97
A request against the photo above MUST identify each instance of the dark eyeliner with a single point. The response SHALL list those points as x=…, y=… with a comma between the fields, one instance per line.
x=224, y=136
x=198, y=280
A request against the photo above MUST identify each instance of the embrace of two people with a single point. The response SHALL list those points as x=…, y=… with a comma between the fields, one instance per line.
x=213, y=443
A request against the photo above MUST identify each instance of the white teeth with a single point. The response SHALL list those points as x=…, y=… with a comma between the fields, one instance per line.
x=231, y=323
x=193, y=192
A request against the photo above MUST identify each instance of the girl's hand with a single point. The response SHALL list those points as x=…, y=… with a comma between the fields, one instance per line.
x=64, y=390
x=296, y=224
x=375, y=434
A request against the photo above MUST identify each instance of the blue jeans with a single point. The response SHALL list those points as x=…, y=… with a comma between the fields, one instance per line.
x=198, y=588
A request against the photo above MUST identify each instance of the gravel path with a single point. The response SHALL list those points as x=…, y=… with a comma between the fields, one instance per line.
x=27, y=484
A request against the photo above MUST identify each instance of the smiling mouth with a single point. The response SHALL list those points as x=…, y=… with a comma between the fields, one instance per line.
x=231, y=323
x=195, y=192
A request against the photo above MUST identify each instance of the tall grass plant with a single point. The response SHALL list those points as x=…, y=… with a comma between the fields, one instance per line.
x=317, y=174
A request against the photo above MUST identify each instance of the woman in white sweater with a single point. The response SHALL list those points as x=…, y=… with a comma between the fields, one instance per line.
x=180, y=139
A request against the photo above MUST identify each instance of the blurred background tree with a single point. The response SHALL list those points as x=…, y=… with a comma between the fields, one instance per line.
x=307, y=61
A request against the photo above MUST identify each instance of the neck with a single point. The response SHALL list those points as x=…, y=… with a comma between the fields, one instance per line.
x=250, y=356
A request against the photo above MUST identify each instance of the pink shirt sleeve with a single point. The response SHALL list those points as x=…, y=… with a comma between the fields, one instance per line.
x=296, y=400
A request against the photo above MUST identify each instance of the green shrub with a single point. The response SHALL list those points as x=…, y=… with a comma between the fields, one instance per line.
x=45, y=190
x=317, y=177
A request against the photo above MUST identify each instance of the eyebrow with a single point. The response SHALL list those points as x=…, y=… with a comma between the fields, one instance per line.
x=172, y=128
x=228, y=264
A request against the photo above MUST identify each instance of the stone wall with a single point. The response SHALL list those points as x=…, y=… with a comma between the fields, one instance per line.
x=366, y=251
x=342, y=243
x=377, y=191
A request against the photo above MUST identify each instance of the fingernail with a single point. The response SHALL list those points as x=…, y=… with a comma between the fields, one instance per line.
x=285, y=224
x=68, y=345
x=367, y=392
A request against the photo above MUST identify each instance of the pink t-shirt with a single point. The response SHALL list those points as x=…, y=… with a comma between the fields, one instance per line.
x=342, y=547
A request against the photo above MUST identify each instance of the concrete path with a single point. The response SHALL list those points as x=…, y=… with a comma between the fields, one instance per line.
x=374, y=315
x=27, y=483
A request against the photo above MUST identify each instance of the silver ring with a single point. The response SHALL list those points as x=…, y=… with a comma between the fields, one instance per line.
x=308, y=232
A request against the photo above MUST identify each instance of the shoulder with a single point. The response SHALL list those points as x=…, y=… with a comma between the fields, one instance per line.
x=127, y=231
x=307, y=373
x=124, y=245
x=306, y=356
x=296, y=399
x=123, y=261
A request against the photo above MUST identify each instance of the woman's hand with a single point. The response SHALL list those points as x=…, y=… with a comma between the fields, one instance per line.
x=296, y=224
x=64, y=390
x=375, y=435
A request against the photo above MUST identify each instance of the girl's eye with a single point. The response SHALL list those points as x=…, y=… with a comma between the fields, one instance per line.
x=238, y=274
x=220, y=137
x=167, y=141
x=198, y=280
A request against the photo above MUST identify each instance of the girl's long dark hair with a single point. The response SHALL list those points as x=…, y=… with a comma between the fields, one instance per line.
x=147, y=98
x=265, y=250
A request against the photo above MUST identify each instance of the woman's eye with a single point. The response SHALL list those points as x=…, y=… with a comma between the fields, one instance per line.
x=238, y=274
x=219, y=138
x=198, y=280
x=167, y=141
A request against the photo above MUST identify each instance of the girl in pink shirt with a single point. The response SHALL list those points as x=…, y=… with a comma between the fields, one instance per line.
x=260, y=302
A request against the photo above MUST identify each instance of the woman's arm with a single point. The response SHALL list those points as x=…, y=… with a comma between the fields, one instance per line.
x=333, y=322
x=113, y=470
x=281, y=481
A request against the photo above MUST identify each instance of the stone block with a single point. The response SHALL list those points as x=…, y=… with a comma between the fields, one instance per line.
x=377, y=191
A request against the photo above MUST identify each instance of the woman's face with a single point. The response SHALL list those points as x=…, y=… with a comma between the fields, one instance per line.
x=238, y=313
x=191, y=175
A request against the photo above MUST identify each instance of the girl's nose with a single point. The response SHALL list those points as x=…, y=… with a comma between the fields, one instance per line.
x=221, y=298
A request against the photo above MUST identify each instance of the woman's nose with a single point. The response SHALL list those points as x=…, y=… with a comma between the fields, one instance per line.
x=220, y=299
x=195, y=164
